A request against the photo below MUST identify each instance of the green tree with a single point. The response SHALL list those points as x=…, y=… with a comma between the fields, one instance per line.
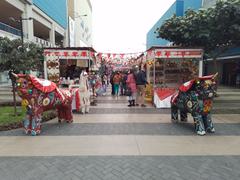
x=17, y=58
x=12, y=56
x=214, y=29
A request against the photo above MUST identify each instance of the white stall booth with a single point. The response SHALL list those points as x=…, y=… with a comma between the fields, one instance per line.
x=168, y=68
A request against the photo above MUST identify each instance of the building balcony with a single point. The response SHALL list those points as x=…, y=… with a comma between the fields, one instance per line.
x=9, y=29
x=13, y=33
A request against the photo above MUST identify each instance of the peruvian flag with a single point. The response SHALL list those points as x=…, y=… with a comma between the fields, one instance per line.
x=149, y=53
x=92, y=54
x=99, y=55
x=121, y=56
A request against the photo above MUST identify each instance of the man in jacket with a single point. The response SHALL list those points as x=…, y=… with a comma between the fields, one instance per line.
x=141, y=82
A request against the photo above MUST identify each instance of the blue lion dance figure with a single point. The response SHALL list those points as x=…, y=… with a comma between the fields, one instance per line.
x=195, y=97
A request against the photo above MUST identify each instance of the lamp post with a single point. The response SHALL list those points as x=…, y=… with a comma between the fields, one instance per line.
x=10, y=72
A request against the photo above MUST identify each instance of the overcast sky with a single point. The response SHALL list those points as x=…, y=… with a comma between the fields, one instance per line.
x=120, y=26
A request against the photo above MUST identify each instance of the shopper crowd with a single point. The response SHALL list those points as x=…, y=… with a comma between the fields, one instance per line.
x=131, y=84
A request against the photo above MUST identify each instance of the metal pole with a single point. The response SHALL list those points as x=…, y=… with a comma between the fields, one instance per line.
x=200, y=67
x=14, y=91
x=12, y=79
x=154, y=71
x=45, y=67
x=21, y=24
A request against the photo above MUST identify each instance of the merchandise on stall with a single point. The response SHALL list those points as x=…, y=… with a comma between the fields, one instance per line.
x=168, y=67
x=64, y=66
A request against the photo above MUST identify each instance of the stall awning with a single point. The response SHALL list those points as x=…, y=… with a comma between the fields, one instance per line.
x=174, y=53
x=84, y=57
x=84, y=53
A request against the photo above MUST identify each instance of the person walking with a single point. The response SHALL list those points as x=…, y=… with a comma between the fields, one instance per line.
x=123, y=83
x=104, y=84
x=111, y=81
x=131, y=84
x=116, y=83
x=141, y=82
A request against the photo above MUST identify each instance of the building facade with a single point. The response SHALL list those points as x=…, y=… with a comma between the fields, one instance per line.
x=227, y=64
x=178, y=8
x=208, y=3
x=80, y=23
x=44, y=22
x=48, y=24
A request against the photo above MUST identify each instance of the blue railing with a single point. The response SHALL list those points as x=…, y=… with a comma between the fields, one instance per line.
x=9, y=29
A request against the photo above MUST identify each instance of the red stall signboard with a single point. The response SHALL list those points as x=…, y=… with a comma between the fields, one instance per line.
x=178, y=53
x=70, y=54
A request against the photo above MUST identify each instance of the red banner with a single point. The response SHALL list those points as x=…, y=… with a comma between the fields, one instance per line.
x=178, y=53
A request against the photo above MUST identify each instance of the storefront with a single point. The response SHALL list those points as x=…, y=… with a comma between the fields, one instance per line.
x=228, y=67
x=65, y=64
x=168, y=68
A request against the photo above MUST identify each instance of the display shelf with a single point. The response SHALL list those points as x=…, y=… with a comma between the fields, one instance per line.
x=168, y=74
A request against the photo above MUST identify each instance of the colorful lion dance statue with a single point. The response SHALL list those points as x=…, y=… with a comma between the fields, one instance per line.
x=195, y=97
x=39, y=95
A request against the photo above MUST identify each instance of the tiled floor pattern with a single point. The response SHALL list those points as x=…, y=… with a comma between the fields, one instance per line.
x=116, y=142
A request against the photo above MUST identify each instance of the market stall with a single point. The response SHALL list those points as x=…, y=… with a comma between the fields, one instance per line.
x=169, y=67
x=67, y=63
x=64, y=66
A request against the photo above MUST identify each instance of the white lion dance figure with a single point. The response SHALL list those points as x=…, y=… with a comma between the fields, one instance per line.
x=84, y=91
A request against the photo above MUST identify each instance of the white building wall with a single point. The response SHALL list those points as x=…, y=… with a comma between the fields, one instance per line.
x=29, y=10
x=83, y=24
x=208, y=3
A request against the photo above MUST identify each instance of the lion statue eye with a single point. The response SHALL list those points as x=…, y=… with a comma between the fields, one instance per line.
x=24, y=84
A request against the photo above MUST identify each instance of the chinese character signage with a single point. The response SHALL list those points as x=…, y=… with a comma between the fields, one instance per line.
x=178, y=53
x=69, y=54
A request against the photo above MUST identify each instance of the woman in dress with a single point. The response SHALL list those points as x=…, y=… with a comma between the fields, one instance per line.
x=131, y=84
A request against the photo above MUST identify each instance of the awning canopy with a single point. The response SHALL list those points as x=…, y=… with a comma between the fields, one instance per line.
x=83, y=53
x=174, y=52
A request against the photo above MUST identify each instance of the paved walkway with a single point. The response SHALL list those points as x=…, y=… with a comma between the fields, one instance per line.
x=115, y=142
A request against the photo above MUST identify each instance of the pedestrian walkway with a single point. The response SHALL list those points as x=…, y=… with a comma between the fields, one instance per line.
x=116, y=142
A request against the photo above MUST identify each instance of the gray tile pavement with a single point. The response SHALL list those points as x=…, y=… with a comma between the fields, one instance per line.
x=138, y=110
x=121, y=168
x=79, y=129
x=128, y=111
x=125, y=167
